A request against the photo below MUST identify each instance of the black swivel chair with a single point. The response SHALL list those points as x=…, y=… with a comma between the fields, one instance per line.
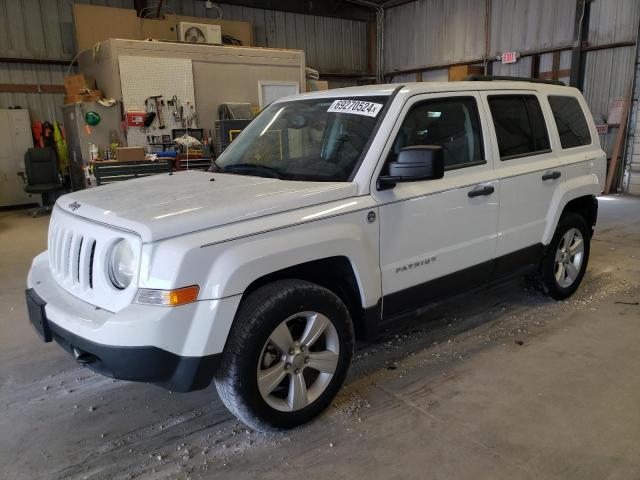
x=41, y=167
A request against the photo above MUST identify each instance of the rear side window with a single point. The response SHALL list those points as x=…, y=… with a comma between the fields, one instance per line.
x=572, y=126
x=452, y=123
x=519, y=125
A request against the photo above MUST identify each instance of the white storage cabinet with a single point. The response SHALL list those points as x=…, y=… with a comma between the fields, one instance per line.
x=15, y=139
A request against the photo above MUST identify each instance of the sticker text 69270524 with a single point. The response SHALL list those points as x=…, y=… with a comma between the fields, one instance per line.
x=356, y=107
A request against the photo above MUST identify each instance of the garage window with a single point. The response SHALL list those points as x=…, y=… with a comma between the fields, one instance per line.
x=519, y=124
x=572, y=126
x=451, y=123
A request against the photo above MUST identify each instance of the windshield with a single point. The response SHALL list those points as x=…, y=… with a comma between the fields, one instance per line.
x=320, y=139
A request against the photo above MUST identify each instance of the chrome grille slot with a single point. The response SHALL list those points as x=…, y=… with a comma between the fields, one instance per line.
x=71, y=256
x=57, y=247
x=91, y=258
x=77, y=257
x=78, y=253
x=74, y=257
x=85, y=264
x=66, y=254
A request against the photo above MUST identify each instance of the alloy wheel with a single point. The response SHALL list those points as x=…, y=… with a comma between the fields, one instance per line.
x=569, y=257
x=298, y=361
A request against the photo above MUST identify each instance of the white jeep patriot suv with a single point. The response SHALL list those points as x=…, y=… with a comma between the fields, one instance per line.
x=330, y=213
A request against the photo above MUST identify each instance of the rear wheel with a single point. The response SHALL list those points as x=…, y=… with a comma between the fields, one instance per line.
x=287, y=355
x=565, y=263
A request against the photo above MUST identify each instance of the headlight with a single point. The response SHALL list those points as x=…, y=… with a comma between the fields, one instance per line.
x=121, y=265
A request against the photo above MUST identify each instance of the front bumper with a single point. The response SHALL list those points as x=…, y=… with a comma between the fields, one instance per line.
x=140, y=364
x=175, y=347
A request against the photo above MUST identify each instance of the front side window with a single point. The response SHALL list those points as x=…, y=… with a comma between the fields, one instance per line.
x=452, y=123
x=572, y=125
x=319, y=139
x=519, y=124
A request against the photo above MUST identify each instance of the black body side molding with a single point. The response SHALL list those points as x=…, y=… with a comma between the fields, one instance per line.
x=512, y=264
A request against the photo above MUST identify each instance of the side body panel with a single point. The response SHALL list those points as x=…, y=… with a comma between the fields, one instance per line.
x=531, y=206
x=226, y=265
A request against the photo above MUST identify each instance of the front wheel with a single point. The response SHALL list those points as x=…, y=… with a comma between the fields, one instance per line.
x=287, y=355
x=565, y=262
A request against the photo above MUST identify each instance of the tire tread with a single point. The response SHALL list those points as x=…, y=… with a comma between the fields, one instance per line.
x=229, y=375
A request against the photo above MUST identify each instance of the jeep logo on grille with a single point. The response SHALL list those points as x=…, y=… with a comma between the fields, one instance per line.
x=74, y=206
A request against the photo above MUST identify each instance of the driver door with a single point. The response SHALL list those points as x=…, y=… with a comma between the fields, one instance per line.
x=438, y=237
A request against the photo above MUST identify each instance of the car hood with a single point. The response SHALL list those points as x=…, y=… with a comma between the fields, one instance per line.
x=167, y=205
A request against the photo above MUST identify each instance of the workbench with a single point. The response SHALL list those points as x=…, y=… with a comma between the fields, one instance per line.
x=109, y=171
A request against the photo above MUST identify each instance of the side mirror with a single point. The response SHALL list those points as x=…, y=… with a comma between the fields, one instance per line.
x=419, y=162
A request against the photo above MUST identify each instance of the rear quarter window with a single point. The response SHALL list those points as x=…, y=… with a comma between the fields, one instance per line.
x=570, y=120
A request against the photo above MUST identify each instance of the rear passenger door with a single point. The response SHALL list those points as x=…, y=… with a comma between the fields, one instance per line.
x=529, y=171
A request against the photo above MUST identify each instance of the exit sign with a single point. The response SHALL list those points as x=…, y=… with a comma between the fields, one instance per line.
x=509, y=57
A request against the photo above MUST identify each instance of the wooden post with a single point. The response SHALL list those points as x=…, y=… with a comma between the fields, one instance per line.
x=555, y=68
x=372, y=50
x=617, y=145
x=535, y=65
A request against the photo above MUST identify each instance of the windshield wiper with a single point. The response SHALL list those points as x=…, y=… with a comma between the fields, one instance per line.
x=252, y=168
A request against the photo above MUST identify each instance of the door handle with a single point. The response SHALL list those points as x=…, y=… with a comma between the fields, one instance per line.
x=551, y=175
x=484, y=191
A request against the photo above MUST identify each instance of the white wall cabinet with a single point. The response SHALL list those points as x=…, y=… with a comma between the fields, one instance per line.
x=15, y=139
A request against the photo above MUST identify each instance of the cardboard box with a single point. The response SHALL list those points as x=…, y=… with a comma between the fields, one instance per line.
x=133, y=154
x=77, y=84
x=460, y=72
x=317, y=85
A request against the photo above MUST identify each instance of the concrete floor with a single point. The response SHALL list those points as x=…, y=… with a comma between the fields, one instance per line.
x=506, y=384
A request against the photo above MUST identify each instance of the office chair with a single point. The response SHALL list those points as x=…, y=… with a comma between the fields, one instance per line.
x=41, y=167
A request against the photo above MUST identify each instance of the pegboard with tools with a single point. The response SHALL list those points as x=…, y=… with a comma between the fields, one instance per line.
x=163, y=89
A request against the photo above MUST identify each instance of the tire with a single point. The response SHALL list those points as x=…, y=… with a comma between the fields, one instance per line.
x=560, y=282
x=255, y=347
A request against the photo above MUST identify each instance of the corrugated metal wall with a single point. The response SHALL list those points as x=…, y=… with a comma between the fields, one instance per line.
x=431, y=32
x=527, y=25
x=439, y=32
x=609, y=73
x=633, y=140
x=612, y=21
x=43, y=29
x=420, y=33
x=42, y=106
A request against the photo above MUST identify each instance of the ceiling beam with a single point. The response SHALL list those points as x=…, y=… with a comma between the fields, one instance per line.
x=324, y=8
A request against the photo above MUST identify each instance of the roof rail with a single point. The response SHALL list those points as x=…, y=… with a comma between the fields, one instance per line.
x=489, y=78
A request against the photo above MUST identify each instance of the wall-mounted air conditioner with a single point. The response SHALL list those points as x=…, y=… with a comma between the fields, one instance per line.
x=199, y=33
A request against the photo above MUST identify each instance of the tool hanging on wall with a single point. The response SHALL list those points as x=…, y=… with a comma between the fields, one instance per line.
x=157, y=99
x=150, y=116
x=177, y=109
x=192, y=115
x=157, y=102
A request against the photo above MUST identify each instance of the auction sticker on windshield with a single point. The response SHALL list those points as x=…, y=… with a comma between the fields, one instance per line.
x=357, y=107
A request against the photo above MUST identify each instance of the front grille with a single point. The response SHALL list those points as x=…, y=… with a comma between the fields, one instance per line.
x=78, y=256
x=71, y=255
